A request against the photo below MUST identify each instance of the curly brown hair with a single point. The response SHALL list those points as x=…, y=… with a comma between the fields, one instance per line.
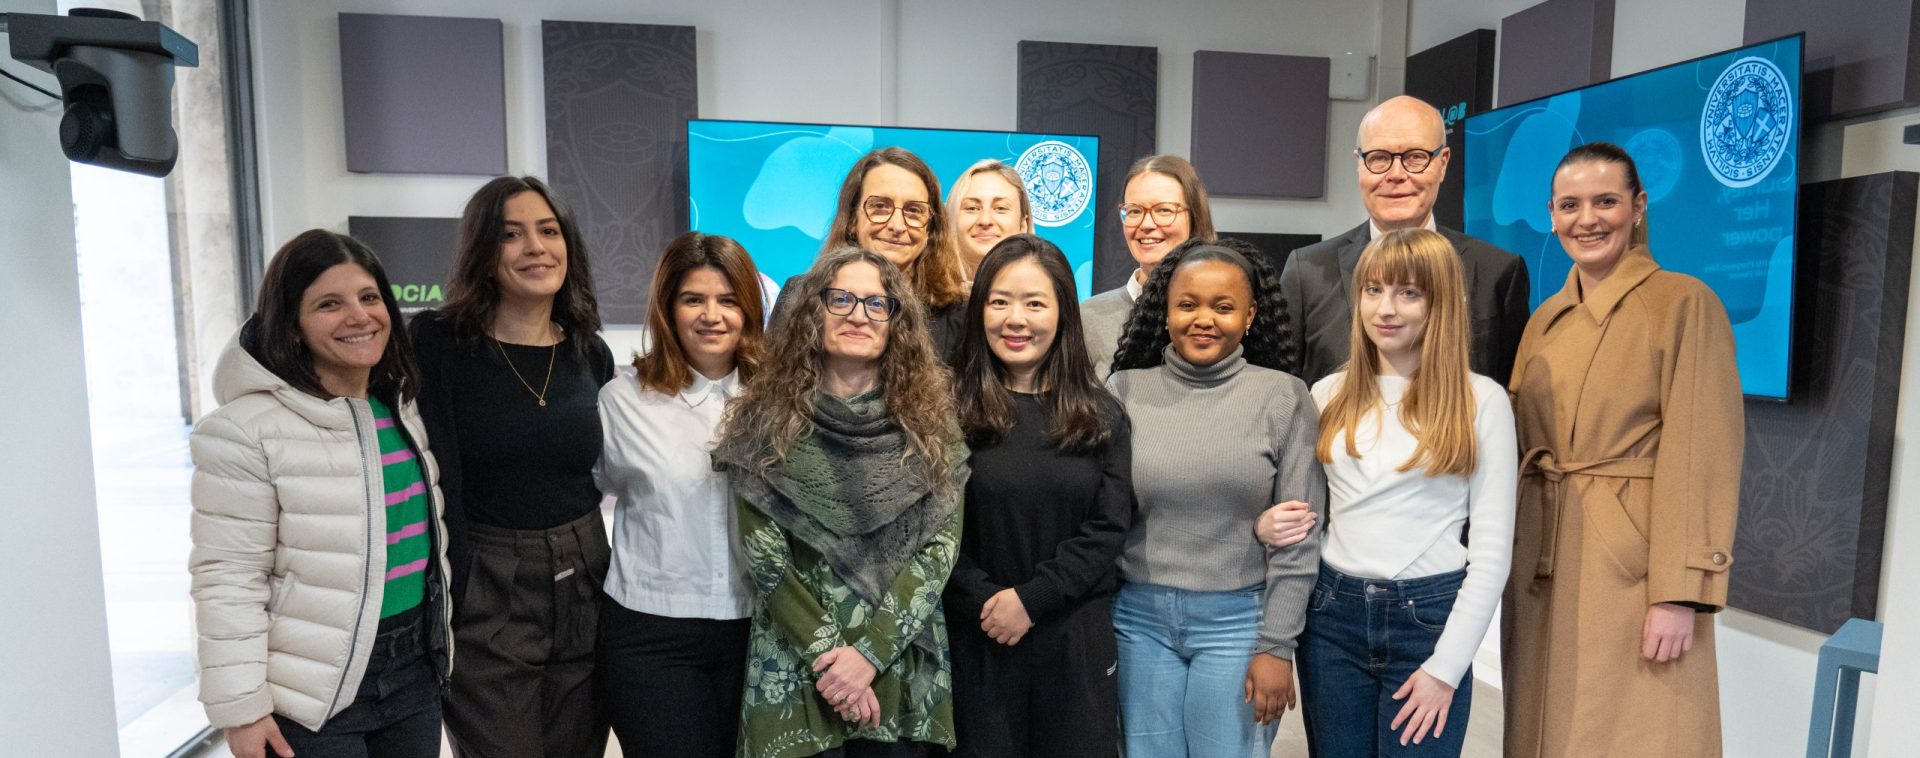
x=776, y=407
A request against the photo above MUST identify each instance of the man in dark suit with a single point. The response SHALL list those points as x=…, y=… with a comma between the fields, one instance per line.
x=1401, y=158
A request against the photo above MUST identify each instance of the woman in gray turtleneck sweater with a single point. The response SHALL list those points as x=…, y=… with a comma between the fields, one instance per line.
x=1207, y=615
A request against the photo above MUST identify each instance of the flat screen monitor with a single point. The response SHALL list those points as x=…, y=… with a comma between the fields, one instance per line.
x=1717, y=143
x=773, y=186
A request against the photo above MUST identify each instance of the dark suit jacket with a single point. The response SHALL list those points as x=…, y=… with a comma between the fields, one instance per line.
x=1318, y=278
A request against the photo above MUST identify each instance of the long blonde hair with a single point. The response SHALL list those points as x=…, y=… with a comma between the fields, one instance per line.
x=1438, y=407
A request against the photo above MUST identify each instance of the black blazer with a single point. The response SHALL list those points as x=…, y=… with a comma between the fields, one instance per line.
x=1318, y=277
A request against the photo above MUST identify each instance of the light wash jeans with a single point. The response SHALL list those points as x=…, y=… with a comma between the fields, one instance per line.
x=1183, y=671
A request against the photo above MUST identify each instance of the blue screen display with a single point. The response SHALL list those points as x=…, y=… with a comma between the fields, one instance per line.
x=1717, y=143
x=773, y=186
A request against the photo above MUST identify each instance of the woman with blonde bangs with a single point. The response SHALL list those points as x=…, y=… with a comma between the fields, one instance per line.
x=673, y=629
x=1414, y=446
x=988, y=204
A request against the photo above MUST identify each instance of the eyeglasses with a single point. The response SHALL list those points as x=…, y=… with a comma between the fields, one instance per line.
x=840, y=302
x=880, y=210
x=1381, y=161
x=1163, y=214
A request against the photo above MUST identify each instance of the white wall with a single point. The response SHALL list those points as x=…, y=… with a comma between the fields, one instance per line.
x=58, y=693
x=1767, y=667
x=952, y=64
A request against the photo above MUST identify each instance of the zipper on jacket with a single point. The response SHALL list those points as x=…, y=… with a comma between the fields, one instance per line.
x=442, y=597
x=366, y=553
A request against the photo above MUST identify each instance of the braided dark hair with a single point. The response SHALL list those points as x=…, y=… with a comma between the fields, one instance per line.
x=1145, y=337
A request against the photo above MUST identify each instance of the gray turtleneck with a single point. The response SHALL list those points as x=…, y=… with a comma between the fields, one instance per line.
x=1214, y=447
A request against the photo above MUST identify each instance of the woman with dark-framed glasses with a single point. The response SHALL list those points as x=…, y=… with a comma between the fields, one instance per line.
x=849, y=468
x=1164, y=204
x=890, y=204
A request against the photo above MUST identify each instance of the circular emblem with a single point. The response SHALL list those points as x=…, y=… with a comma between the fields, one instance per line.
x=1747, y=122
x=1059, y=182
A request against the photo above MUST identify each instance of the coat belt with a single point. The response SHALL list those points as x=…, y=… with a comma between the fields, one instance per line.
x=1540, y=462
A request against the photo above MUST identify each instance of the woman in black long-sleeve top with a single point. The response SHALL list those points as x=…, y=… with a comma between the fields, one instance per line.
x=1029, y=604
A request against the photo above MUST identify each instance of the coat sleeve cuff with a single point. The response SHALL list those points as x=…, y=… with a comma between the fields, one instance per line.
x=237, y=713
x=1700, y=583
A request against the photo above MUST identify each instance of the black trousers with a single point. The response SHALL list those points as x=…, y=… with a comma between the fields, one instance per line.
x=872, y=749
x=672, y=686
x=524, y=627
x=1052, y=694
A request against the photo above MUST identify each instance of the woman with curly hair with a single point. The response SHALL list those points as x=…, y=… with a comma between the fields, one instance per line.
x=1207, y=615
x=849, y=471
x=1030, y=605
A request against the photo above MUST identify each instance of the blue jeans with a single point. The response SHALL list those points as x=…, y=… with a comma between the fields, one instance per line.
x=1364, y=639
x=396, y=711
x=1183, y=671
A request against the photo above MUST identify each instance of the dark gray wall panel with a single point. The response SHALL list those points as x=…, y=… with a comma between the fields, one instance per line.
x=1862, y=55
x=1110, y=91
x=423, y=95
x=1456, y=77
x=416, y=252
x=1813, y=493
x=1555, y=46
x=1277, y=247
x=1260, y=123
x=618, y=100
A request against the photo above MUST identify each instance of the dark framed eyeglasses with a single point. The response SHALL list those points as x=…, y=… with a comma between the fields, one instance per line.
x=840, y=302
x=1132, y=214
x=1414, y=161
x=880, y=210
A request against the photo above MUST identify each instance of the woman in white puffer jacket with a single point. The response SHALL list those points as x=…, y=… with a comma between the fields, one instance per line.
x=318, y=547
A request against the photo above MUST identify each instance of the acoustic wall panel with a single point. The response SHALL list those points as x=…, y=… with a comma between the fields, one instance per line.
x=416, y=252
x=1276, y=247
x=618, y=100
x=1110, y=91
x=423, y=95
x=1260, y=124
x=1813, y=491
x=1863, y=56
x=1456, y=77
x=1555, y=46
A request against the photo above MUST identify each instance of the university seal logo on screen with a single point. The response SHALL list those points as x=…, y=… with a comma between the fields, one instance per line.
x=1059, y=182
x=1747, y=122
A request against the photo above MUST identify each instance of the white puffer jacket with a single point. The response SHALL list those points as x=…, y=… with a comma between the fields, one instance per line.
x=289, y=547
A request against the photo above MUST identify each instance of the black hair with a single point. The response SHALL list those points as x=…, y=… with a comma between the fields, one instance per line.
x=1145, y=337
x=473, y=295
x=1081, y=413
x=272, y=336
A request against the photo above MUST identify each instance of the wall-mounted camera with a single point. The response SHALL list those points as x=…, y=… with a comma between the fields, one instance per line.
x=116, y=79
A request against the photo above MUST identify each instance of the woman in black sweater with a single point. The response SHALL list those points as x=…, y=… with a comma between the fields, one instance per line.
x=511, y=373
x=1029, y=604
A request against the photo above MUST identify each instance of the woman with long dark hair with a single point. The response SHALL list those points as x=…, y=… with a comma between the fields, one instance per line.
x=1049, y=501
x=1207, y=616
x=319, y=554
x=511, y=369
x=673, y=642
x=849, y=470
x=890, y=204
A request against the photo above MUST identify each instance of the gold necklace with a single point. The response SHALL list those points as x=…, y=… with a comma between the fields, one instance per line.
x=552, y=350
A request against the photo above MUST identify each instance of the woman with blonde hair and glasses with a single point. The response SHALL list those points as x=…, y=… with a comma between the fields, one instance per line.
x=1414, y=445
x=1163, y=205
x=890, y=204
x=849, y=468
x=988, y=204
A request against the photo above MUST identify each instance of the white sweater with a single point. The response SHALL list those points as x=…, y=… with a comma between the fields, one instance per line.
x=1383, y=523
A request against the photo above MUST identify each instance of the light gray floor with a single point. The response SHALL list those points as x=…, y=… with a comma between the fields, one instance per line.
x=1483, y=732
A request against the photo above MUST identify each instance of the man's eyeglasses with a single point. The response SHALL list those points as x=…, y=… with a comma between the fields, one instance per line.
x=841, y=303
x=1381, y=161
x=1163, y=214
x=880, y=210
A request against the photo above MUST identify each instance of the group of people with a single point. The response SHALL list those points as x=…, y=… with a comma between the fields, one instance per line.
x=932, y=502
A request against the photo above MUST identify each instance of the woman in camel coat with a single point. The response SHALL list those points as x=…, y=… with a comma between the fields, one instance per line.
x=1629, y=410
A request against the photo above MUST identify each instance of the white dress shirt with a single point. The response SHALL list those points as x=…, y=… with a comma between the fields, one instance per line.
x=1383, y=523
x=676, y=546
